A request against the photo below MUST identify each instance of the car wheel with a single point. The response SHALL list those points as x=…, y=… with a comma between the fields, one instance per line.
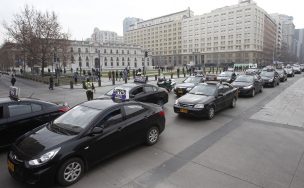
x=273, y=85
x=211, y=113
x=152, y=136
x=253, y=93
x=70, y=172
x=233, y=103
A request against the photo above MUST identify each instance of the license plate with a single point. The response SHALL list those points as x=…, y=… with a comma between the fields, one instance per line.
x=183, y=110
x=10, y=166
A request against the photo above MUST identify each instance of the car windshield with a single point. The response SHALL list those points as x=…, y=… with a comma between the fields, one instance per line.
x=244, y=79
x=192, y=80
x=267, y=74
x=280, y=71
x=204, y=89
x=76, y=119
x=226, y=74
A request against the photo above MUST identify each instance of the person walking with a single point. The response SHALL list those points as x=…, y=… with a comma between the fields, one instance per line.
x=51, y=86
x=89, y=87
x=13, y=80
x=109, y=75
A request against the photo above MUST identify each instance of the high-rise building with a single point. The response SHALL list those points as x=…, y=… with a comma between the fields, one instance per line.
x=239, y=34
x=127, y=22
x=160, y=36
x=299, y=36
x=288, y=29
x=105, y=36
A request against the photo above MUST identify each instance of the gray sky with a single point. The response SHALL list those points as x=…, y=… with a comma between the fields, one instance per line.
x=79, y=17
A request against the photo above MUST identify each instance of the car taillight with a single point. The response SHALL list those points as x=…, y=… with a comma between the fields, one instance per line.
x=64, y=109
x=161, y=113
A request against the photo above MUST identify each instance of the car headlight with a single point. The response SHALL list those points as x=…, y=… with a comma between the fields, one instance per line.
x=199, y=106
x=44, y=158
x=176, y=102
x=248, y=87
x=189, y=88
x=270, y=80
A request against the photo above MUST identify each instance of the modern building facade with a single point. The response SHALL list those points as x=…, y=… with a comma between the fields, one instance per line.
x=288, y=32
x=130, y=21
x=160, y=36
x=105, y=36
x=88, y=55
x=299, y=36
x=238, y=34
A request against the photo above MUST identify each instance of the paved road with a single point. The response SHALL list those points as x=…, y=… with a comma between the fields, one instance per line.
x=232, y=150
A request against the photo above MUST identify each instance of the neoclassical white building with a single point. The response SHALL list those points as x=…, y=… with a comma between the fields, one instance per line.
x=87, y=55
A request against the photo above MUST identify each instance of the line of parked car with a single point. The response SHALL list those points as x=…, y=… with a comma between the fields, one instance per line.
x=51, y=142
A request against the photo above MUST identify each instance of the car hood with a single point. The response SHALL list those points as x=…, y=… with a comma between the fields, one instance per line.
x=185, y=85
x=40, y=141
x=241, y=84
x=194, y=99
x=266, y=78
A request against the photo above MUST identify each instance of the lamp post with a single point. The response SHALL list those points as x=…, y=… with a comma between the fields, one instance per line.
x=79, y=59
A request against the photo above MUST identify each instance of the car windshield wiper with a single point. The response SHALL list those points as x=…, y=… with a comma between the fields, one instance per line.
x=60, y=129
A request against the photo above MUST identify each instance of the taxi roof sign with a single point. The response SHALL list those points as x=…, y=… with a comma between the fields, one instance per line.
x=14, y=92
x=140, y=79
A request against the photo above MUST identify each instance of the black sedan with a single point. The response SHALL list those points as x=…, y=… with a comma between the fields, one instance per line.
x=138, y=92
x=207, y=98
x=282, y=74
x=18, y=116
x=227, y=76
x=88, y=133
x=270, y=78
x=248, y=85
x=187, y=85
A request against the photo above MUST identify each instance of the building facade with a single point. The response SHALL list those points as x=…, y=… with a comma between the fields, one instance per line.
x=288, y=32
x=242, y=33
x=160, y=36
x=88, y=55
x=105, y=36
x=299, y=36
x=128, y=22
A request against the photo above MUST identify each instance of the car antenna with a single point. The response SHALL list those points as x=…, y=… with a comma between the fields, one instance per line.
x=31, y=95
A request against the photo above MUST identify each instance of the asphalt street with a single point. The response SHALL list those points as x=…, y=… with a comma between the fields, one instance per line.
x=238, y=148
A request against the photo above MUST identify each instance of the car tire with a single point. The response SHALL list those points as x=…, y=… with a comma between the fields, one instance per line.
x=70, y=171
x=274, y=84
x=253, y=93
x=211, y=113
x=233, y=103
x=152, y=136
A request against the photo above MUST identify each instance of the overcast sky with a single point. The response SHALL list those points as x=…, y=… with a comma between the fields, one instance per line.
x=80, y=17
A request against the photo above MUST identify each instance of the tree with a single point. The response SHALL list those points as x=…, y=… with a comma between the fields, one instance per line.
x=38, y=35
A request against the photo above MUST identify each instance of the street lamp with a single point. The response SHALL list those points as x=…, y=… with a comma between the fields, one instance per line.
x=99, y=69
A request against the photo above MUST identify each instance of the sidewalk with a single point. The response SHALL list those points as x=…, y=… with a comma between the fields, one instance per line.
x=287, y=108
x=107, y=82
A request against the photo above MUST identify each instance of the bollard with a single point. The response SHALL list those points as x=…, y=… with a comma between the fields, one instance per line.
x=155, y=77
x=171, y=75
x=99, y=82
x=147, y=78
x=184, y=74
x=71, y=85
x=126, y=79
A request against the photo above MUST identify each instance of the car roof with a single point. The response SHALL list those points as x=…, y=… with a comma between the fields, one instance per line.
x=100, y=104
x=8, y=99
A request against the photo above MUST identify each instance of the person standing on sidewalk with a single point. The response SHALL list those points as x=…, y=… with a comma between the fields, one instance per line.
x=13, y=80
x=51, y=87
x=109, y=75
x=89, y=87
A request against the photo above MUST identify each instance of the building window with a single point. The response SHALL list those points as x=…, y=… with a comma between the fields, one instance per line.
x=135, y=64
x=111, y=51
x=72, y=50
x=122, y=52
x=105, y=51
x=116, y=51
x=134, y=51
x=87, y=64
x=79, y=50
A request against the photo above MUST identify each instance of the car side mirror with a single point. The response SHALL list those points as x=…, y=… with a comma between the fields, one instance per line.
x=97, y=130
